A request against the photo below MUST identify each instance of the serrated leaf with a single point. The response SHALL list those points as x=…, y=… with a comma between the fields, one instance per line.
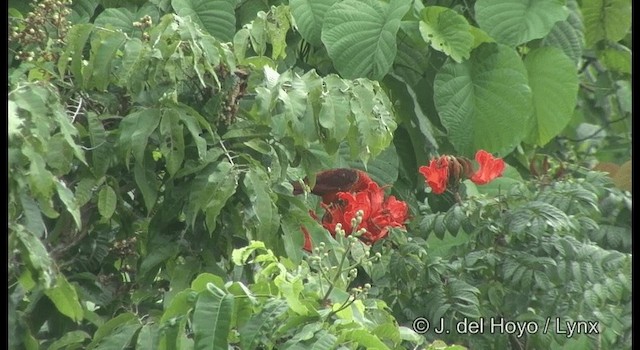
x=65, y=298
x=216, y=17
x=360, y=36
x=446, y=31
x=513, y=22
x=606, y=20
x=553, y=79
x=212, y=318
x=309, y=16
x=568, y=35
x=107, y=201
x=486, y=95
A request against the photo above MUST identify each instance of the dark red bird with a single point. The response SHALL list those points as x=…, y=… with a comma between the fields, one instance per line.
x=330, y=182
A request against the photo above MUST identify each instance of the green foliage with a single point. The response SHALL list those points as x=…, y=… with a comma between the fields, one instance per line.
x=153, y=146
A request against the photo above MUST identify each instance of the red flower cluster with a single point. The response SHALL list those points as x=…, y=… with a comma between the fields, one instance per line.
x=378, y=213
x=448, y=170
x=366, y=197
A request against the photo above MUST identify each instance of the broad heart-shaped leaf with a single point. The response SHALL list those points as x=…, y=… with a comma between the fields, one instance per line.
x=216, y=17
x=484, y=102
x=212, y=318
x=606, y=19
x=568, y=35
x=514, y=22
x=309, y=16
x=446, y=31
x=360, y=36
x=553, y=79
x=123, y=18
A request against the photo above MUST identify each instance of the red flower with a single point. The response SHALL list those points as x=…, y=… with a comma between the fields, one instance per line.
x=307, y=239
x=436, y=174
x=378, y=214
x=490, y=168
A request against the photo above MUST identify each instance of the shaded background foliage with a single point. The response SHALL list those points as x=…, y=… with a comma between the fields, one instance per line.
x=149, y=140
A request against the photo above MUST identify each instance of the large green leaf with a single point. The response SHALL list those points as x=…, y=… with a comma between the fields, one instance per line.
x=76, y=39
x=122, y=18
x=553, y=78
x=65, y=298
x=107, y=201
x=264, y=212
x=212, y=319
x=172, y=146
x=210, y=191
x=37, y=255
x=135, y=130
x=485, y=102
x=250, y=332
x=514, y=22
x=446, y=31
x=104, y=46
x=100, y=149
x=360, y=36
x=217, y=17
x=606, y=19
x=309, y=16
x=568, y=35
x=66, y=196
x=116, y=333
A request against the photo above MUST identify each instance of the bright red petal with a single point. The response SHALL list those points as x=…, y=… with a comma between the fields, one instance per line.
x=490, y=168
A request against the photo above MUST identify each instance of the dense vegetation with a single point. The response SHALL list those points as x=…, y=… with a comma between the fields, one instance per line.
x=155, y=148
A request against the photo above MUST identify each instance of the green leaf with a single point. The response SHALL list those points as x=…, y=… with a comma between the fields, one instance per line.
x=66, y=196
x=617, y=58
x=82, y=10
x=513, y=22
x=144, y=173
x=71, y=338
x=250, y=332
x=362, y=338
x=606, y=20
x=210, y=191
x=37, y=255
x=360, y=36
x=76, y=39
x=216, y=17
x=84, y=191
x=446, y=31
x=148, y=337
x=101, y=151
x=485, y=101
x=14, y=120
x=104, y=45
x=107, y=201
x=199, y=284
x=117, y=18
x=41, y=180
x=309, y=16
x=212, y=319
x=553, y=78
x=135, y=130
x=69, y=131
x=172, y=146
x=263, y=210
x=134, y=66
x=119, y=338
x=32, y=215
x=65, y=298
x=568, y=35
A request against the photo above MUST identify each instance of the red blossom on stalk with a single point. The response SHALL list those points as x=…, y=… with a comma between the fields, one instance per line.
x=378, y=214
x=490, y=168
x=436, y=174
